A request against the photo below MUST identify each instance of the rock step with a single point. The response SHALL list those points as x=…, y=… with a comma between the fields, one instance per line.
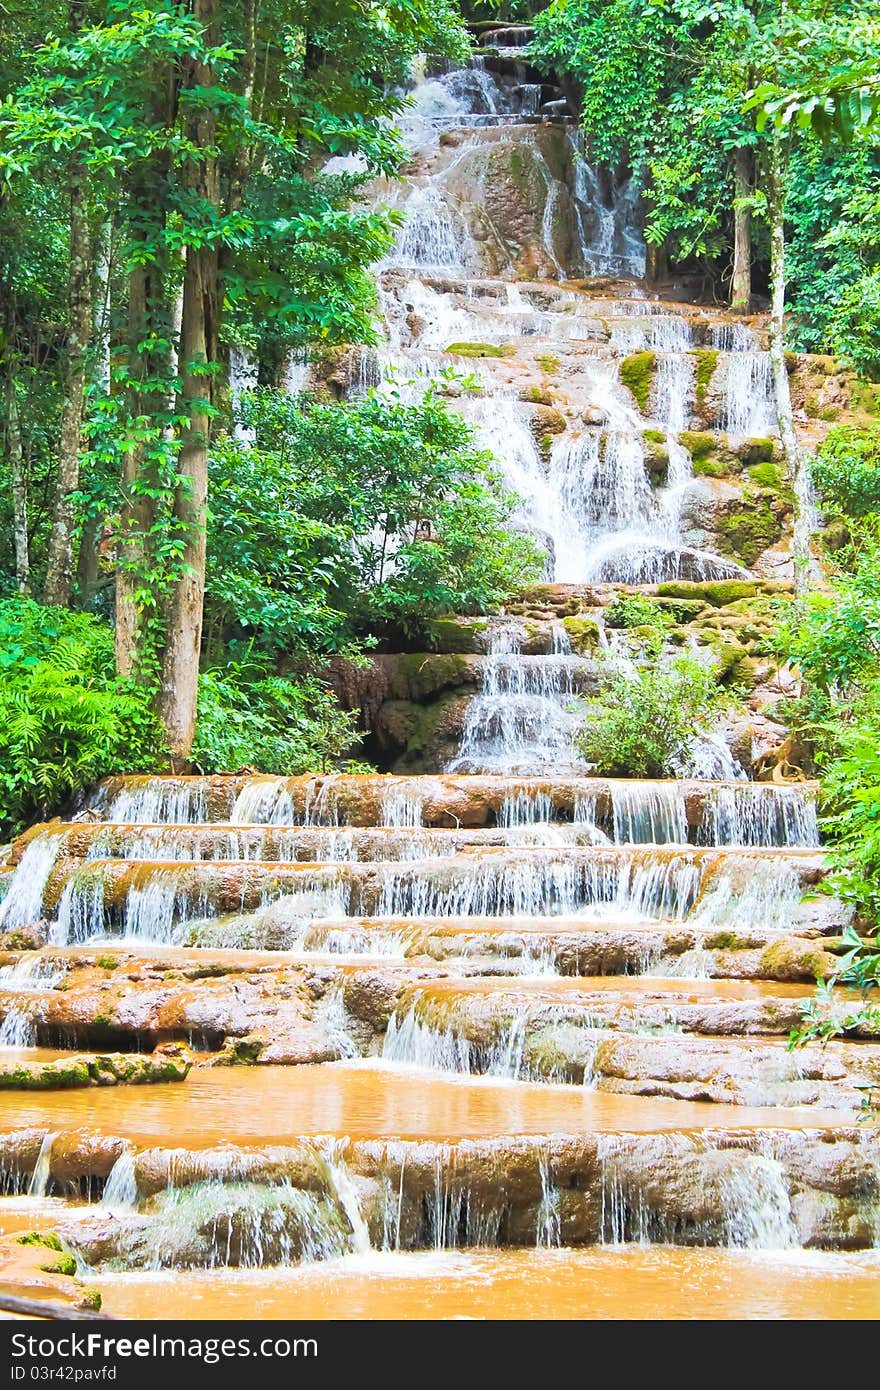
x=270, y=843
x=690, y=1172
x=451, y=800
x=655, y=881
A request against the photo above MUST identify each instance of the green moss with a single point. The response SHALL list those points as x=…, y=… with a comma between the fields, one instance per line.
x=583, y=634
x=733, y=664
x=546, y=442
x=766, y=474
x=725, y=941
x=63, y=1264
x=424, y=675
x=656, y=455
x=746, y=534
x=706, y=362
x=699, y=443
x=793, y=959
x=548, y=362
x=718, y=592
x=708, y=467
x=241, y=1052
x=47, y=1238
x=637, y=375
x=107, y=963
x=91, y=1300
x=455, y=635
x=482, y=349
x=752, y=451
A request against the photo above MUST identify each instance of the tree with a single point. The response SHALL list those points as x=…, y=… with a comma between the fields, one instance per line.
x=214, y=120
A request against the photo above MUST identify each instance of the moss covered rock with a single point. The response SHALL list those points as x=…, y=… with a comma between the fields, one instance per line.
x=583, y=634
x=792, y=958
x=718, y=592
x=746, y=532
x=637, y=375
x=706, y=360
x=482, y=349
x=456, y=635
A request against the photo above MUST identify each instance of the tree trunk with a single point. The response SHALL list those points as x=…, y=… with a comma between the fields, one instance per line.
x=149, y=375
x=178, y=695
x=18, y=473
x=794, y=460
x=101, y=316
x=741, y=282
x=656, y=264
x=59, y=565
x=136, y=510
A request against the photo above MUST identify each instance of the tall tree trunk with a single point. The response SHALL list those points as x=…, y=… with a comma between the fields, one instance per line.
x=135, y=512
x=101, y=315
x=656, y=263
x=18, y=473
x=794, y=458
x=148, y=324
x=59, y=565
x=741, y=282
x=178, y=695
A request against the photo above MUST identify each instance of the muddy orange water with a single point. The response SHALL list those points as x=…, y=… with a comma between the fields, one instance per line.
x=612, y=1282
x=570, y=988
x=368, y=1099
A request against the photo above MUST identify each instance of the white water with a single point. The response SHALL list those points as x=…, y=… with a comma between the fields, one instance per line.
x=524, y=719
x=24, y=901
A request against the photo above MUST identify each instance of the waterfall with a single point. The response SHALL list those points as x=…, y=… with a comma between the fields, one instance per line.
x=243, y=377
x=523, y=720
x=648, y=813
x=757, y=813
x=748, y=395
x=121, y=1190
x=19, y=1028
x=41, y=1177
x=24, y=901
x=154, y=801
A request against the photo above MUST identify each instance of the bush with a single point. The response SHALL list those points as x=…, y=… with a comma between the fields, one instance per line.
x=345, y=515
x=847, y=470
x=645, y=724
x=65, y=717
x=283, y=724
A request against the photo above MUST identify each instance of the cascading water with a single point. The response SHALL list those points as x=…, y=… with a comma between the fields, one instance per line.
x=549, y=948
x=523, y=720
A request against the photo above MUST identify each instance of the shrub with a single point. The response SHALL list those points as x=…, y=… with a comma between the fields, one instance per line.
x=341, y=515
x=283, y=724
x=847, y=470
x=65, y=717
x=645, y=723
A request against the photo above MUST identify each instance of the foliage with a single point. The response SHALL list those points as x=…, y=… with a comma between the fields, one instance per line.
x=346, y=515
x=678, y=90
x=634, y=610
x=834, y=636
x=833, y=213
x=226, y=147
x=847, y=470
x=251, y=718
x=645, y=724
x=65, y=719
x=662, y=91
